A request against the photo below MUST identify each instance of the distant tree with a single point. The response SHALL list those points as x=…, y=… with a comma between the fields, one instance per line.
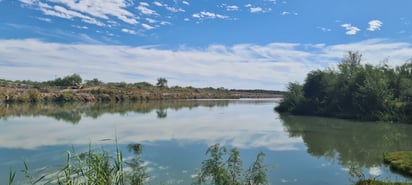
x=143, y=84
x=161, y=82
x=73, y=79
x=94, y=82
x=70, y=80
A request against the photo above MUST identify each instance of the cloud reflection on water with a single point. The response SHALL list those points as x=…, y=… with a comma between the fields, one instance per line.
x=239, y=125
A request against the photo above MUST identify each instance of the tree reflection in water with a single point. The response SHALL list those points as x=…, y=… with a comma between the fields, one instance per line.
x=73, y=112
x=353, y=144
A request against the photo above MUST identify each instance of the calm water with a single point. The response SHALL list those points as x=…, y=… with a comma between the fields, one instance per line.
x=176, y=134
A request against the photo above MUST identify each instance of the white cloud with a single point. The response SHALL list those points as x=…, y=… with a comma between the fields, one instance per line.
x=144, y=4
x=269, y=66
x=157, y=3
x=323, y=29
x=174, y=10
x=125, y=30
x=44, y=19
x=145, y=10
x=151, y=21
x=259, y=10
x=87, y=10
x=350, y=30
x=147, y=27
x=375, y=25
x=375, y=171
x=232, y=8
x=288, y=13
x=185, y=2
x=209, y=15
x=248, y=5
x=256, y=9
x=165, y=23
x=80, y=27
x=285, y=13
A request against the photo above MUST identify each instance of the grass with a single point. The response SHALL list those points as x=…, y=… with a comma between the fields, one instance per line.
x=400, y=161
x=99, y=167
x=94, y=167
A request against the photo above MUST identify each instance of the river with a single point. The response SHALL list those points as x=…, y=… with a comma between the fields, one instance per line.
x=176, y=134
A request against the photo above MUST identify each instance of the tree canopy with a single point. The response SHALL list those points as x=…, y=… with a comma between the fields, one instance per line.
x=161, y=82
x=354, y=91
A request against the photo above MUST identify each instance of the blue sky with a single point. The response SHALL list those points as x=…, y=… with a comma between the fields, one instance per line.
x=261, y=44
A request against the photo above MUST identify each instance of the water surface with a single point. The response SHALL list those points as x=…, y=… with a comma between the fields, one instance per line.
x=176, y=134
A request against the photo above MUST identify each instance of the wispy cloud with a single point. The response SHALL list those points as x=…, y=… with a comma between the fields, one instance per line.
x=45, y=19
x=144, y=9
x=324, y=29
x=375, y=25
x=350, y=30
x=147, y=27
x=174, y=9
x=209, y=15
x=288, y=13
x=232, y=8
x=258, y=9
x=125, y=30
x=87, y=10
x=269, y=66
x=157, y=3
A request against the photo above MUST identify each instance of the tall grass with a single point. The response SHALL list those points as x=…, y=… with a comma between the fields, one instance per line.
x=99, y=167
x=94, y=167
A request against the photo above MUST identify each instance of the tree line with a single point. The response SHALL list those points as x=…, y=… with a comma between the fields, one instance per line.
x=354, y=91
x=75, y=80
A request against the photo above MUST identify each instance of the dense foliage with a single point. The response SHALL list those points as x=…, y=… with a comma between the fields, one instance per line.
x=354, y=91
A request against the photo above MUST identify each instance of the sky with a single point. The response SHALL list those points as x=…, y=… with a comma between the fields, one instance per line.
x=242, y=44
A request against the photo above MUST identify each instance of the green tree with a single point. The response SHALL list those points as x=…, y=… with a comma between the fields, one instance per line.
x=161, y=82
x=70, y=80
x=143, y=85
x=353, y=91
x=292, y=99
x=94, y=82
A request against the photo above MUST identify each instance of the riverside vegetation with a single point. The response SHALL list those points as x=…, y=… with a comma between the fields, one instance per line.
x=360, y=92
x=101, y=168
x=354, y=91
x=72, y=89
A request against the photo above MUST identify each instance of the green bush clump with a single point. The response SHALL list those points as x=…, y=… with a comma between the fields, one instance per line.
x=400, y=161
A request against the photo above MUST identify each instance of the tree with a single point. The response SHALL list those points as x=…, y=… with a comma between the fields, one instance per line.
x=94, y=82
x=161, y=82
x=291, y=99
x=70, y=80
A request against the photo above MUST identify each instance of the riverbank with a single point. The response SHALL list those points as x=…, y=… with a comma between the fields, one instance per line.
x=121, y=93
